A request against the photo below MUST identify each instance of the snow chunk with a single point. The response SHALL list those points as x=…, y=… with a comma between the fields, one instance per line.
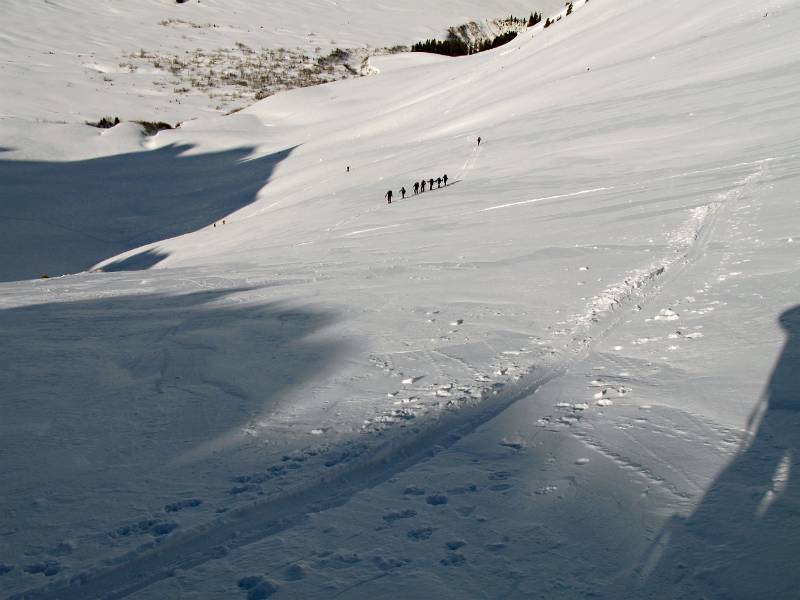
x=667, y=314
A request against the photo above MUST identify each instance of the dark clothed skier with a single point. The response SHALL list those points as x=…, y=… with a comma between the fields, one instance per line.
x=403, y=192
x=479, y=141
x=445, y=179
x=430, y=182
x=423, y=186
x=416, y=187
x=438, y=182
x=389, y=196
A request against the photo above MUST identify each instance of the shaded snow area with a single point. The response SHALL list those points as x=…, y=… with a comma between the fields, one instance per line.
x=572, y=372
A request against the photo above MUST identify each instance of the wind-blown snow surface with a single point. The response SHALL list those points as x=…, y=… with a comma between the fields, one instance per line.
x=570, y=373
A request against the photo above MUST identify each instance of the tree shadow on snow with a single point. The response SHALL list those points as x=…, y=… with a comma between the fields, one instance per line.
x=65, y=217
x=743, y=540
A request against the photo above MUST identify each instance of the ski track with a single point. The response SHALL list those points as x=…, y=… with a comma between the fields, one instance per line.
x=372, y=229
x=642, y=184
x=258, y=520
x=570, y=195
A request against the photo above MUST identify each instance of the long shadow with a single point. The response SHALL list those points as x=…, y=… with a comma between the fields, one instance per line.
x=65, y=217
x=100, y=397
x=78, y=368
x=743, y=541
x=138, y=262
x=413, y=196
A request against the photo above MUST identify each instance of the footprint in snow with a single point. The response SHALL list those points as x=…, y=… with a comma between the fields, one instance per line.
x=515, y=443
x=418, y=535
x=294, y=572
x=465, y=489
x=501, y=487
x=48, y=568
x=402, y=514
x=388, y=564
x=454, y=559
x=180, y=505
x=257, y=587
x=437, y=499
x=62, y=549
x=248, y=583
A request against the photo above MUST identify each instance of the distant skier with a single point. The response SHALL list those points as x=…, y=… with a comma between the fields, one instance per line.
x=389, y=196
x=423, y=186
x=445, y=179
x=430, y=182
x=479, y=140
x=438, y=182
x=416, y=188
x=403, y=192
x=348, y=169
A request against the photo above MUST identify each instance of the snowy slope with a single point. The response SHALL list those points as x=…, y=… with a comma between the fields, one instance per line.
x=77, y=60
x=566, y=374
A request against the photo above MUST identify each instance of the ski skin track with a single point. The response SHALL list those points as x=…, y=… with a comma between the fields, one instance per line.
x=245, y=525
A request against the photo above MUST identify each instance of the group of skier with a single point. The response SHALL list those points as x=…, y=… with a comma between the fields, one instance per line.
x=419, y=187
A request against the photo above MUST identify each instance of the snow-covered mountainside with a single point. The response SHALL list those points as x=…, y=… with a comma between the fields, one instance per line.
x=570, y=372
x=157, y=60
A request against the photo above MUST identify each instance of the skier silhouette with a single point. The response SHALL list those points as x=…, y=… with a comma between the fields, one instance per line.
x=389, y=196
x=745, y=512
x=416, y=187
x=479, y=140
x=430, y=181
x=438, y=183
x=445, y=179
x=403, y=192
x=423, y=186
